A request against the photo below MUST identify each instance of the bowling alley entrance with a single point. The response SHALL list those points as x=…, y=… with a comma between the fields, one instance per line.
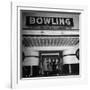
x=51, y=63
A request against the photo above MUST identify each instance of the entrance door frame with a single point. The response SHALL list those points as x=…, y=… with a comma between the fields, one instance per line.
x=40, y=57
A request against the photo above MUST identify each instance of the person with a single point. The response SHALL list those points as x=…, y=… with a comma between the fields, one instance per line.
x=54, y=67
x=57, y=66
x=45, y=66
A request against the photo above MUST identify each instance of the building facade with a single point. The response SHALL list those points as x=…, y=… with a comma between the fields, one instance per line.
x=49, y=43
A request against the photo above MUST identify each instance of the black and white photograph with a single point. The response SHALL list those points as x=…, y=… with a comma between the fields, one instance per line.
x=45, y=44
x=49, y=44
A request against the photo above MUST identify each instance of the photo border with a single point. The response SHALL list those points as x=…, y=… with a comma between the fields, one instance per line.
x=15, y=43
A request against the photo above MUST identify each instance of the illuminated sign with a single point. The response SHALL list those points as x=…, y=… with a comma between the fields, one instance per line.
x=48, y=21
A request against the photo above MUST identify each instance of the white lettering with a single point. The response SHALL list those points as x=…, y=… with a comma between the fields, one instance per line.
x=53, y=22
x=61, y=21
x=57, y=20
x=39, y=20
x=32, y=20
x=67, y=21
x=50, y=20
x=46, y=20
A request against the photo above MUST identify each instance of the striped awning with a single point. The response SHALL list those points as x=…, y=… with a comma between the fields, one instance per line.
x=50, y=41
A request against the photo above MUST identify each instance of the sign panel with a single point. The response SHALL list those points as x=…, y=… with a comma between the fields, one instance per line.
x=49, y=21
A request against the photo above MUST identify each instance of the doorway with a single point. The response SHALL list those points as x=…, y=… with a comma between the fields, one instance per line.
x=51, y=63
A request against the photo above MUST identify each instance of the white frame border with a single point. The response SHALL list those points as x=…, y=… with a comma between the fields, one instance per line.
x=15, y=49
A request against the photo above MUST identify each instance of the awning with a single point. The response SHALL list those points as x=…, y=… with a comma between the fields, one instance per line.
x=31, y=61
x=50, y=41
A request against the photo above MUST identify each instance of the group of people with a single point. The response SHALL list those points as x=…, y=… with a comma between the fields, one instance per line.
x=51, y=66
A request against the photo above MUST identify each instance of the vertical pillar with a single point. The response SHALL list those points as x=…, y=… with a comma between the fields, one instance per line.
x=70, y=70
x=31, y=71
